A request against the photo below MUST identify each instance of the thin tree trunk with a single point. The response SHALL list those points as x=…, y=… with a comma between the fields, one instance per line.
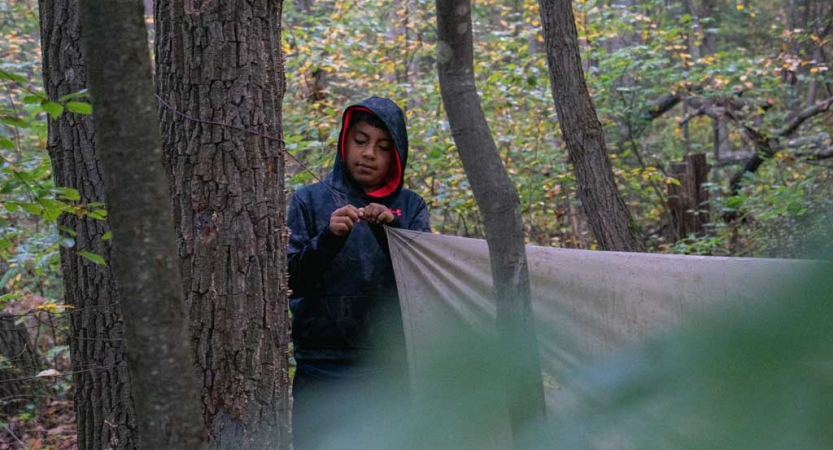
x=221, y=62
x=19, y=363
x=799, y=16
x=606, y=211
x=696, y=29
x=104, y=410
x=709, y=11
x=114, y=42
x=498, y=201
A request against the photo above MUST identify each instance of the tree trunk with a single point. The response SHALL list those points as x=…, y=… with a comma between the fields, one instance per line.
x=220, y=73
x=708, y=10
x=19, y=363
x=799, y=17
x=721, y=143
x=498, y=201
x=607, y=213
x=104, y=410
x=115, y=47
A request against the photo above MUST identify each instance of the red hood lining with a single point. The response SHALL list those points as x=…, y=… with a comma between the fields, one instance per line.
x=394, y=175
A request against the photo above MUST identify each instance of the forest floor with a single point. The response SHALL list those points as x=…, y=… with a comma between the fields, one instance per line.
x=50, y=427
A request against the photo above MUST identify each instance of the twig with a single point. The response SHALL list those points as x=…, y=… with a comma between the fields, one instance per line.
x=16, y=130
x=60, y=375
x=25, y=447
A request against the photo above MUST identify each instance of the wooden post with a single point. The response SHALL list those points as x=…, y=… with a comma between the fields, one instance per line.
x=687, y=200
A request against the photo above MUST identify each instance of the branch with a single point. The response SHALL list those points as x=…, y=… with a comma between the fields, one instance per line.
x=819, y=140
x=805, y=114
x=667, y=102
x=767, y=147
x=827, y=153
x=696, y=113
x=734, y=158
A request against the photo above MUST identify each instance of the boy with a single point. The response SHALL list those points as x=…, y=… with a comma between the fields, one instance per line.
x=346, y=323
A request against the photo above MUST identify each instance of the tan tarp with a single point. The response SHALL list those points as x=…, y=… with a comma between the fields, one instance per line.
x=587, y=304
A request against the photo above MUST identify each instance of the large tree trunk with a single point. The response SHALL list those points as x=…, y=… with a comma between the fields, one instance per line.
x=498, y=201
x=103, y=404
x=606, y=211
x=114, y=41
x=220, y=74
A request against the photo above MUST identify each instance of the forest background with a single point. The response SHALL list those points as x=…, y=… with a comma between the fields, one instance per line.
x=745, y=83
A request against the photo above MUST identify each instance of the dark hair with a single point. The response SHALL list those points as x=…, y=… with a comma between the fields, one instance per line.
x=359, y=116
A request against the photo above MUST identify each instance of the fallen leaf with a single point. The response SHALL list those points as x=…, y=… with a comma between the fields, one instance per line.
x=49, y=373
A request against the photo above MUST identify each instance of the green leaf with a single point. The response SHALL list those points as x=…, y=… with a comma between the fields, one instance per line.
x=12, y=77
x=80, y=94
x=107, y=236
x=93, y=257
x=80, y=108
x=69, y=231
x=99, y=214
x=33, y=208
x=11, y=207
x=15, y=121
x=32, y=99
x=69, y=194
x=7, y=143
x=52, y=209
x=53, y=109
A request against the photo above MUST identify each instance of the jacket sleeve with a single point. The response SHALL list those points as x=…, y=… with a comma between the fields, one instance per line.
x=421, y=221
x=308, y=257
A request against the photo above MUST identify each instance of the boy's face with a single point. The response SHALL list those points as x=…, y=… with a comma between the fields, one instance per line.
x=368, y=154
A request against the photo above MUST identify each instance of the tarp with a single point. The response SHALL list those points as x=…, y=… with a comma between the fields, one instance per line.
x=587, y=304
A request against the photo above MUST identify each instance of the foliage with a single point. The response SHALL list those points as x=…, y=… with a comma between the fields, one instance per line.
x=633, y=56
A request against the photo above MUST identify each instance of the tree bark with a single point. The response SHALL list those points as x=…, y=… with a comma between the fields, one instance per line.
x=18, y=365
x=499, y=203
x=114, y=40
x=606, y=211
x=220, y=73
x=104, y=408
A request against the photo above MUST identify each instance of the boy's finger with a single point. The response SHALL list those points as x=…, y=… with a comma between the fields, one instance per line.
x=353, y=215
x=341, y=225
x=348, y=211
x=347, y=222
x=385, y=217
x=374, y=209
x=339, y=229
x=344, y=210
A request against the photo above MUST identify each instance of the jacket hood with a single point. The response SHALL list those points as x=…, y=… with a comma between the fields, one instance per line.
x=394, y=119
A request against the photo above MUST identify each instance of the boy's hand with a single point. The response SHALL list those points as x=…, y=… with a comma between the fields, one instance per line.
x=377, y=214
x=343, y=219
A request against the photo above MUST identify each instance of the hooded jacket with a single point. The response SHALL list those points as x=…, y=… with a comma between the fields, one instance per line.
x=344, y=301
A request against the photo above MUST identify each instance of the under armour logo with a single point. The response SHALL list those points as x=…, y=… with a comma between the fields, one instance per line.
x=396, y=212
